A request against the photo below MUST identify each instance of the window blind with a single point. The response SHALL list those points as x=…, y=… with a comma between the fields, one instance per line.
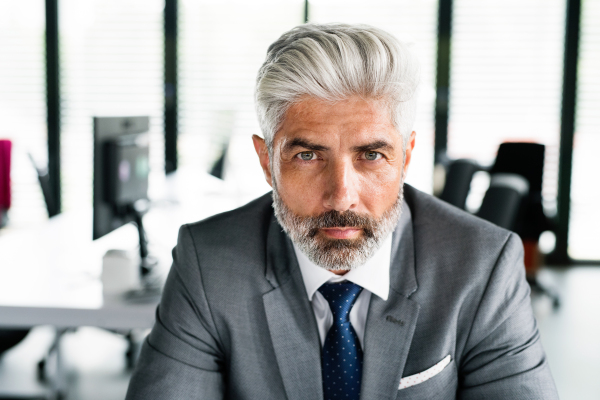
x=414, y=22
x=23, y=104
x=222, y=44
x=111, y=65
x=506, y=80
x=584, y=234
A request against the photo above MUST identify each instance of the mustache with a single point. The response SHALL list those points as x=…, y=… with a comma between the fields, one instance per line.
x=345, y=219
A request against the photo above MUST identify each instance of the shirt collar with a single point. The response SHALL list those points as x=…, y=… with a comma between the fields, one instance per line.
x=373, y=276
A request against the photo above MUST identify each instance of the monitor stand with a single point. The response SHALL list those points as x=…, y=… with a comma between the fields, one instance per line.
x=151, y=284
x=147, y=263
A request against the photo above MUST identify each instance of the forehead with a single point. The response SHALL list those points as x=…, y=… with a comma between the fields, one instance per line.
x=352, y=118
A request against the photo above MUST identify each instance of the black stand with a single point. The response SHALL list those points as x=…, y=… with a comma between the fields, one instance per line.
x=146, y=262
x=151, y=284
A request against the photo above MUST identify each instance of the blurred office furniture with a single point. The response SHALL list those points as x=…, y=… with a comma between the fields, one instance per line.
x=59, y=283
x=527, y=160
x=218, y=168
x=44, y=180
x=5, y=147
x=121, y=168
x=458, y=182
x=221, y=124
x=8, y=337
x=503, y=201
x=120, y=190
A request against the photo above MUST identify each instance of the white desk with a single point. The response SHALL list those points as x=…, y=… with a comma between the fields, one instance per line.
x=50, y=275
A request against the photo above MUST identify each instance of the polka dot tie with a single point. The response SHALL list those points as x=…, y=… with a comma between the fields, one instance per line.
x=342, y=356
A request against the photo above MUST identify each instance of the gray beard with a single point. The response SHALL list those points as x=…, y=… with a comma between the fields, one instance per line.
x=337, y=254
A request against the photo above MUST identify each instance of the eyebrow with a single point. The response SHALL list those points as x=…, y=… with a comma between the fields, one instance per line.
x=298, y=142
x=376, y=145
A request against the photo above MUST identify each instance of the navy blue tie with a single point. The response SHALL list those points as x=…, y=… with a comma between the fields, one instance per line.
x=342, y=356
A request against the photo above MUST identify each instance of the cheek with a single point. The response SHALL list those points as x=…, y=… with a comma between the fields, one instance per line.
x=380, y=188
x=300, y=188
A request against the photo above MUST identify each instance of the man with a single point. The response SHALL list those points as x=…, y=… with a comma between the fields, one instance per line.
x=344, y=282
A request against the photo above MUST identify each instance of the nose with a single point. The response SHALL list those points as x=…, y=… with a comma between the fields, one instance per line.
x=342, y=191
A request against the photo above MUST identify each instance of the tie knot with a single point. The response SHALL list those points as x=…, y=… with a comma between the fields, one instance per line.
x=341, y=297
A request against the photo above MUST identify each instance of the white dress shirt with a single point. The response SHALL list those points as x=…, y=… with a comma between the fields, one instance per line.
x=373, y=277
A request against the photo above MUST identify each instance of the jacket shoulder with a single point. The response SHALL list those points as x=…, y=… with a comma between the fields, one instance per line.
x=230, y=248
x=451, y=244
x=447, y=223
x=243, y=223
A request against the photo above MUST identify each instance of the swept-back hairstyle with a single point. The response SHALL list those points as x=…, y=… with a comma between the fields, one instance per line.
x=333, y=62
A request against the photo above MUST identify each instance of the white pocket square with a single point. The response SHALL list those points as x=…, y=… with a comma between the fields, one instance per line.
x=425, y=375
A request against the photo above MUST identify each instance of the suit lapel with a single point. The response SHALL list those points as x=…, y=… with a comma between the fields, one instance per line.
x=391, y=324
x=291, y=320
x=388, y=335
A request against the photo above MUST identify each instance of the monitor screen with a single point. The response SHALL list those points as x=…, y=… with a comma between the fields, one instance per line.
x=121, y=167
x=126, y=170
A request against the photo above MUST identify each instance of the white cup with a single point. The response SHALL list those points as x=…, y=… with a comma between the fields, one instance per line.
x=120, y=271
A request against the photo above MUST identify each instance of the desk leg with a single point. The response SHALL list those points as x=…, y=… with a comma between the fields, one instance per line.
x=58, y=382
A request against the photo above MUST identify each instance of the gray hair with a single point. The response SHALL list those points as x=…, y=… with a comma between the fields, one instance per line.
x=333, y=62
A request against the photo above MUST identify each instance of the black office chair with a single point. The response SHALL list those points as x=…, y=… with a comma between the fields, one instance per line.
x=504, y=200
x=527, y=160
x=458, y=182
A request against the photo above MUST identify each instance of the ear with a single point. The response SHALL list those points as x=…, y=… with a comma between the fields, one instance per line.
x=409, y=148
x=263, y=156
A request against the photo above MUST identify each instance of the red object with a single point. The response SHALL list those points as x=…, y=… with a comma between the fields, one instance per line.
x=533, y=259
x=5, y=146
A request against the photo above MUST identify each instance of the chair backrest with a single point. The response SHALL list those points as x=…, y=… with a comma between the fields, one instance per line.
x=527, y=160
x=458, y=182
x=504, y=200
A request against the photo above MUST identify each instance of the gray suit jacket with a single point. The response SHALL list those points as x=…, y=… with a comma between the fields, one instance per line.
x=234, y=321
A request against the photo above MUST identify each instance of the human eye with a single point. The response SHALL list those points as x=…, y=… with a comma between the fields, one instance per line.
x=307, y=156
x=372, y=155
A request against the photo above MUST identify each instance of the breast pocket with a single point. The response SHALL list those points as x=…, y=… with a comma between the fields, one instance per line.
x=440, y=387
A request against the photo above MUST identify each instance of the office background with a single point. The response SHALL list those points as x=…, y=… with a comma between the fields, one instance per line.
x=492, y=71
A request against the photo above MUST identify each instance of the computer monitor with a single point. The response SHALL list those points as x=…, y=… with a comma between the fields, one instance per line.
x=121, y=167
